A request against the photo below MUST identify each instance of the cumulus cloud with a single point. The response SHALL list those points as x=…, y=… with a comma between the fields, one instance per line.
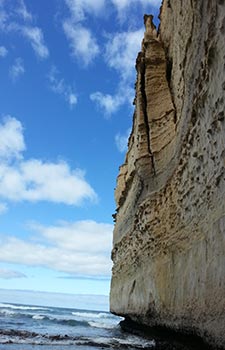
x=79, y=235
x=23, y=12
x=122, y=140
x=120, y=54
x=3, y=51
x=121, y=51
x=10, y=274
x=82, y=42
x=72, y=99
x=110, y=104
x=122, y=5
x=79, y=8
x=10, y=21
x=79, y=248
x=17, y=69
x=59, y=86
x=33, y=179
x=35, y=36
x=12, y=141
x=3, y=15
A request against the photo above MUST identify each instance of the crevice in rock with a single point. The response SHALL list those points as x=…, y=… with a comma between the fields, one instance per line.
x=144, y=108
x=186, y=55
x=169, y=67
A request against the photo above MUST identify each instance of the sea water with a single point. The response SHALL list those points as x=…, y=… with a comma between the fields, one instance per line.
x=26, y=327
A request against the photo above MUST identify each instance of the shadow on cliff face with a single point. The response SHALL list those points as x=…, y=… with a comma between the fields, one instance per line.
x=165, y=339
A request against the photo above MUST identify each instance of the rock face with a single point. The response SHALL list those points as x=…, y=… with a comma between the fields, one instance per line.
x=169, y=236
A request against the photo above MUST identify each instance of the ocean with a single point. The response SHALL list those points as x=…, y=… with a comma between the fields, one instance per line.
x=26, y=327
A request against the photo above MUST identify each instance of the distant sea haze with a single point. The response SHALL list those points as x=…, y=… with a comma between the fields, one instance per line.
x=81, y=301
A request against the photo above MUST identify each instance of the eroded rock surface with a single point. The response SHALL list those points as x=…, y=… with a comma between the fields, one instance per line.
x=169, y=236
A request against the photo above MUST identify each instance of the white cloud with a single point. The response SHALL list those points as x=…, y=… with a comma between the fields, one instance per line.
x=12, y=141
x=77, y=248
x=10, y=274
x=122, y=5
x=78, y=8
x=10, y=21
x=36, y=39
x=59, y=86
x=23, y=12
x=3, y=51
x=72, y=99
x=126, y=9
x=82, y=42
x=3, y=16
x=3, y=208
x=110, y=104
x=121, y=51
x=86, y=235
x=107, y=102
x=17, y=69
x=122, y=140
x=35, y=180
x=120, y=54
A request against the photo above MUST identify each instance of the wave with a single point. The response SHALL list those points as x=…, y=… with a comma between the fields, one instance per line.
x=92, y=314
x=7, y=312
x=71, y=322
x=38, y=317
x=102, y=325
x=22, y=307
x=75, y=319
x=67, y=321
x=97, y=322
x=59, y=320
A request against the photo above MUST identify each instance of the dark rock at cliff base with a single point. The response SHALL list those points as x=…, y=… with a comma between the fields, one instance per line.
x=165, y=339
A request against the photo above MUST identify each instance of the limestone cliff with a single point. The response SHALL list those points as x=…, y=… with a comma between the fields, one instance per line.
x=169, y=236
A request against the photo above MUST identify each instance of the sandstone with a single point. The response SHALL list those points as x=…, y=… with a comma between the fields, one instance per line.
x=169, y=235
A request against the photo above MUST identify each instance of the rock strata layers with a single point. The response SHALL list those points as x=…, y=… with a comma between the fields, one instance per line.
x=169, y=236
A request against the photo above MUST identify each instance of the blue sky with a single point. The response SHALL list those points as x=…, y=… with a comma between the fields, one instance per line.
x=67, y=86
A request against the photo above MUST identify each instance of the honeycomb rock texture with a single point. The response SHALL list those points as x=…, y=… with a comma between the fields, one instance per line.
x=169, y=236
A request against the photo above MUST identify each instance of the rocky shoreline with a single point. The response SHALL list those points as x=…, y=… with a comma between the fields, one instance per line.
x=18, y=337
x=156, y=339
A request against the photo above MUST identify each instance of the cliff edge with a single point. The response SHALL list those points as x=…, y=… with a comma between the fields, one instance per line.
x=169, y=236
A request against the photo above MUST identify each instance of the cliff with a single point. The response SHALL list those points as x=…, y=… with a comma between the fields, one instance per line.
x=169, y=236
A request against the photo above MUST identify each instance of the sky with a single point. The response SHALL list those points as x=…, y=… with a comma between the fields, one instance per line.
x=74, y=301
x=67, y=89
